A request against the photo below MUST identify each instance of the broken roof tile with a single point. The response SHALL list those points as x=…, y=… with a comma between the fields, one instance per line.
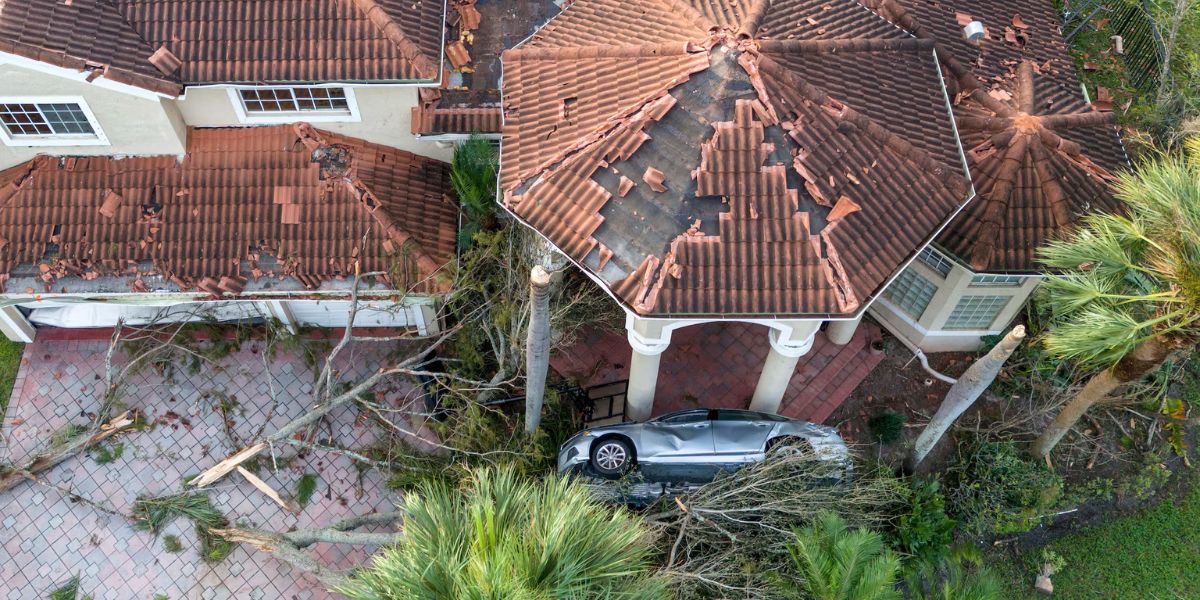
x=655, y=179
x=205, y=230
x=739, y=127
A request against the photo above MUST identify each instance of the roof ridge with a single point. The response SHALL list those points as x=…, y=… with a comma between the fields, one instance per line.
x=383, y=21
x=844, y=45
x=615, y=51
x=145, y=42
x=754, y=16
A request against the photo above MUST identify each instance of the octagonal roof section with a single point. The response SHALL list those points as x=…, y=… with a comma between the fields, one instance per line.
x=721, y=158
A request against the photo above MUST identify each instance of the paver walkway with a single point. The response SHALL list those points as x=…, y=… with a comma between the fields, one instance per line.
x=718, y=364
x=45, y=538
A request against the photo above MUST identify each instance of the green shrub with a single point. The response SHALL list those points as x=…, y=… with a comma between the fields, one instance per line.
x=959, y=576
x=887, y=426
x=992, y=489
x=1147, y=482
x=924, y=532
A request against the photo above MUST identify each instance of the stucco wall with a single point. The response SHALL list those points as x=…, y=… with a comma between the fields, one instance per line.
x=133, y=125
x=929, y=332
x=385, y=110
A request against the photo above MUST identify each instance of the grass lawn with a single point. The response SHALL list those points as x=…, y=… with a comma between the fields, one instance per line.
x=1152, y=554
x=10, y=360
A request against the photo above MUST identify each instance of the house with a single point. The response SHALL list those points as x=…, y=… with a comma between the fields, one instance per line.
x=798, y=163
x=247, y=155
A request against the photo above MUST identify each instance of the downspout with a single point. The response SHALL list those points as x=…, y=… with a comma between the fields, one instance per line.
x=924, y=360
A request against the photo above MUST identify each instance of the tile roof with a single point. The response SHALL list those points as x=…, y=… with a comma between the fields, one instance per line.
x=1039, y=155
x=267, y=202
x=164, y=44
x=699, y=165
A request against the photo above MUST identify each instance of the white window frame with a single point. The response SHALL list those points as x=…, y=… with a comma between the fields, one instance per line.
x=965, y=298
x=99, y=139
x=936, y=261
x=248, y=118
x=979, y=280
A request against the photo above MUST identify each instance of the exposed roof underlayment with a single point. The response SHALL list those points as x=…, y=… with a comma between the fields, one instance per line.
x=698, y=167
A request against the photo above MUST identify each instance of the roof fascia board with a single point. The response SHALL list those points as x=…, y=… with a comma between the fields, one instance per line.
x=166, y=298
x=81, y=76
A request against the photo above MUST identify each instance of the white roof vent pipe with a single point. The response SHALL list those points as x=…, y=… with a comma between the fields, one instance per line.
x=973, y=31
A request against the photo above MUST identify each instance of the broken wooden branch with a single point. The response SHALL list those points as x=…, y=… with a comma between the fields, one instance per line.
x=269, y=491
x=289, y=547
x=31, y=469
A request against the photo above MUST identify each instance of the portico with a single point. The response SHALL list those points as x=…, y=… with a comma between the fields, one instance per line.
x=789, y=340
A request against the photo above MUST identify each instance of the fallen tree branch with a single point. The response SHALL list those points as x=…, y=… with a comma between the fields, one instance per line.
x=30, y=470
x=289, y=547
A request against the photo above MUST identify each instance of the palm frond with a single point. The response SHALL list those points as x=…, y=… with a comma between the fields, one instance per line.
x=1097, y=336
x=505, y=536
x=837, y=563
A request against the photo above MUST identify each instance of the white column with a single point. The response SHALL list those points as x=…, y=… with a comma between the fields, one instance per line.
x=841, y=332
x=15, y=326
x=648, y=340
x=786, y=350
x=280, y=310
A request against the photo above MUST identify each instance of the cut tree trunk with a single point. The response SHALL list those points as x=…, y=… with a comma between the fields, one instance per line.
x=30, y=470
x=537, y=347
x=1145, y=358
x=963, y=394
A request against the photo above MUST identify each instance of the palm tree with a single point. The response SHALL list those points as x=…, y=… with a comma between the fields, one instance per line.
x=473, y=177
x=954, y=581
x=837, y=563
x=1126, y=292
x=503, y=536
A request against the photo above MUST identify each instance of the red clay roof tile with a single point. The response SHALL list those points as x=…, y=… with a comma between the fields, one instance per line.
x=164, y=44
x=241, y=200
x=754, y=152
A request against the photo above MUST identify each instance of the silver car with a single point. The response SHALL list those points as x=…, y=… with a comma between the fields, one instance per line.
x=697, y=437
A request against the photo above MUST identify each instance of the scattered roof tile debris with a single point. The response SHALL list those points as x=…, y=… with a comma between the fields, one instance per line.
x=655, y=179
x=305, y=197
x=163, y=45
x=805, y=168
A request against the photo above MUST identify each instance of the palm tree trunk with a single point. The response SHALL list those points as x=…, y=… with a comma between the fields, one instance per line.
x=963, y=394
x=537, y=346
x=1148, y=356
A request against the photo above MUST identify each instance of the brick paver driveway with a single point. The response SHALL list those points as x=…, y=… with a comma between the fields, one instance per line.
x=46, y=538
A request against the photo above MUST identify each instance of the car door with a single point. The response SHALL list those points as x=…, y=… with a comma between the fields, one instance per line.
x=682, y=437
x=739, y=435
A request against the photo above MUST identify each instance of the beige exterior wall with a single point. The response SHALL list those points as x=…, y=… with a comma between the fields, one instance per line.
x=134, y=125
x=928, y=332
x=385, y=116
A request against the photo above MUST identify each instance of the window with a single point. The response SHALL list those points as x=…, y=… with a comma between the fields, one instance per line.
x=283, y=104
x=934, y=260
x=48, y=122
x=687, y=416
x=911, y=292
x=996, y=280
x=976, y=312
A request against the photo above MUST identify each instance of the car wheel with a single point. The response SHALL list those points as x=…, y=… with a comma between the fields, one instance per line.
x=788, y=446
x=612, y=457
